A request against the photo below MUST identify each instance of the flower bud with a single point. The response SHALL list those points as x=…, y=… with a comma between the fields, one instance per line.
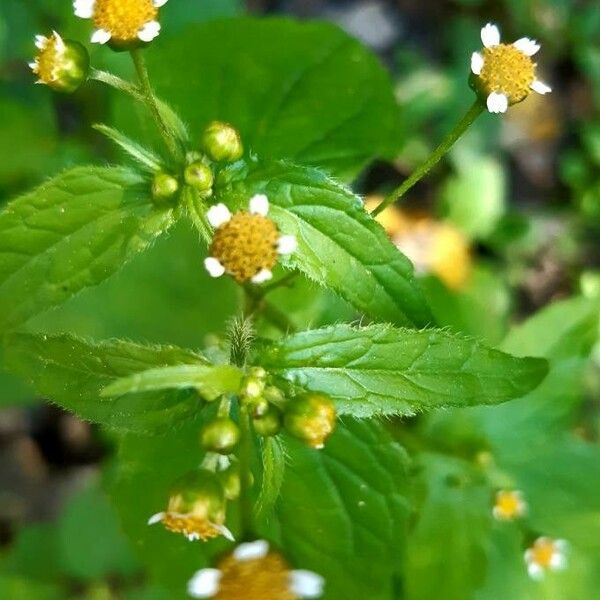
x=274, y=395
x=311, y=418
x=222, y=142
x=254, y=385
x=220, y=435
x=164, y=187
x=199, y=176
x=230, y=480
x=269, y=423
x=60, y=64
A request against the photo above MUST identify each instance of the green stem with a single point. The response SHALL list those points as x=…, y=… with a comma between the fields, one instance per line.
x=245, y=458
x=283, y=282
x=474, y=111
x=255, y=302
x=150, y=99
x=116, y=83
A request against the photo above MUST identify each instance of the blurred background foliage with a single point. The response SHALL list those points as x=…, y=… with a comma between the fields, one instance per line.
x=504, y=234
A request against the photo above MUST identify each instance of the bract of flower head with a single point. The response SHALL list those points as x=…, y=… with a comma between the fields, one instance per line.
x=247, y=244
x=61, y=64
x=196, y=508
x=509, y=505
x=504, y=74
x=544, y=555
x=254, y=571
x=121, y=22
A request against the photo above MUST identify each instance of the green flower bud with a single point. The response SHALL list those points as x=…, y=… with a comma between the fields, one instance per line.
x=311, y=418
x=220, y=435
x=199, y=176
x=60, y=64
x=164, y=187
x=222, y=142
x=230, y=480
x=274, y=395
x=269, y=423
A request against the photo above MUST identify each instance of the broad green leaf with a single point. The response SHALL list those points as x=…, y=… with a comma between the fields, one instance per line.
x=71, y=233
x=302, y=91
x=210, y=381
x=72, y=373
x=343, y=511
x=380, y=369
x=339, y=245
x=273, y=462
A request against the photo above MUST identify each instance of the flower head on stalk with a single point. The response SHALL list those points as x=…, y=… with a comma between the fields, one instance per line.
x=504, y=74
x=122, y=22
x=253, y=571
x=545, y=554
x=509, y=505
x=246, y=245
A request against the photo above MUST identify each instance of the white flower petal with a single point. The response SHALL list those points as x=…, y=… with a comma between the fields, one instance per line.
x=527, y=46
x=224, y=531
x=476, y=63
x=40, y=41
x=498, y=515
x=497, y=103
x=204, y=583
x=100, y=36
x=287, y=244
x=251, y=550
x=218, y=215
x=490, y=35
x=259, y=205
x=535, y=571
x=561, y=545
x=84, y=9
x=558, y=561
x=214, y=267
x=262, y=276
x=157, y=518
x=33, y=65
x=159, y=3
x=306, y=584
x=540, y=87
x=149, y=31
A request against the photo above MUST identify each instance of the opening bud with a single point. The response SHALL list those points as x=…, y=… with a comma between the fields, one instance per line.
x=269, y=423
x=164, y=187
x=311, y=418
x=220, y=435
x=199, y=176
x=222, y=142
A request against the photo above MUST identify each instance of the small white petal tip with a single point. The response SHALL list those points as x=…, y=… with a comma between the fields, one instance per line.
x=157, y=518
x=490, y=35
x=259, y=205
x=159, y=3
x=149, y=31
x=214, y=267
x=218, y=215
x=100, y=36
x=540, y=87
x=535, y=571
x=476, y=63
x=497, y=103
x=84, y=9
x=527, y=46
x=251, y=550
x=225, y=532
x=306, y=584
x=287, y=244
x=40, y=41
x=204, y=583
x=262, y=276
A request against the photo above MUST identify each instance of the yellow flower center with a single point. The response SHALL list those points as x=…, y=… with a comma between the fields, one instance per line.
x=542, y=552
x=46, y=67
x=265, y=578
x=190, y=525
x=123, y=18
x=245, y=245
x=508, y=71
x=508, y=505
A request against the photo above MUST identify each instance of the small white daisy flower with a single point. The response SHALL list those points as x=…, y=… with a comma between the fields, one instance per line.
x=253, y=571
x=504, y=74
x=121, y=22
x=545, y=554
x=509, y=505
x=247, y=244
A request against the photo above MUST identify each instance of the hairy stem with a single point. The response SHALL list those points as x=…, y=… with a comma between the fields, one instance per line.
x=474, y=111
x=245, y=459
x=256, y=303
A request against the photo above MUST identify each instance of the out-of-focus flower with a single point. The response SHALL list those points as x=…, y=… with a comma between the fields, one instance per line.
x=391, y=219
x=509, y=505
x=246, y=245
x=311, y=418
x=121, y=22
x=545, y=554
x=253, y=571
x=60, y=64
x=504, y=74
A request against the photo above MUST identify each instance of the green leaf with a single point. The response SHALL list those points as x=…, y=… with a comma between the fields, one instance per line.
x=339, y=245
x=273, y=460
x=209, y=381
x=343, y=510
x=302, y=91
x=380, y=369
x=72, y=373
x=71, y=233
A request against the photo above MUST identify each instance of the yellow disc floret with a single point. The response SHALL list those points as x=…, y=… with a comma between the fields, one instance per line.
x=506, y=69
x=123, y=19
x=47, y=60
x=246, y=245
